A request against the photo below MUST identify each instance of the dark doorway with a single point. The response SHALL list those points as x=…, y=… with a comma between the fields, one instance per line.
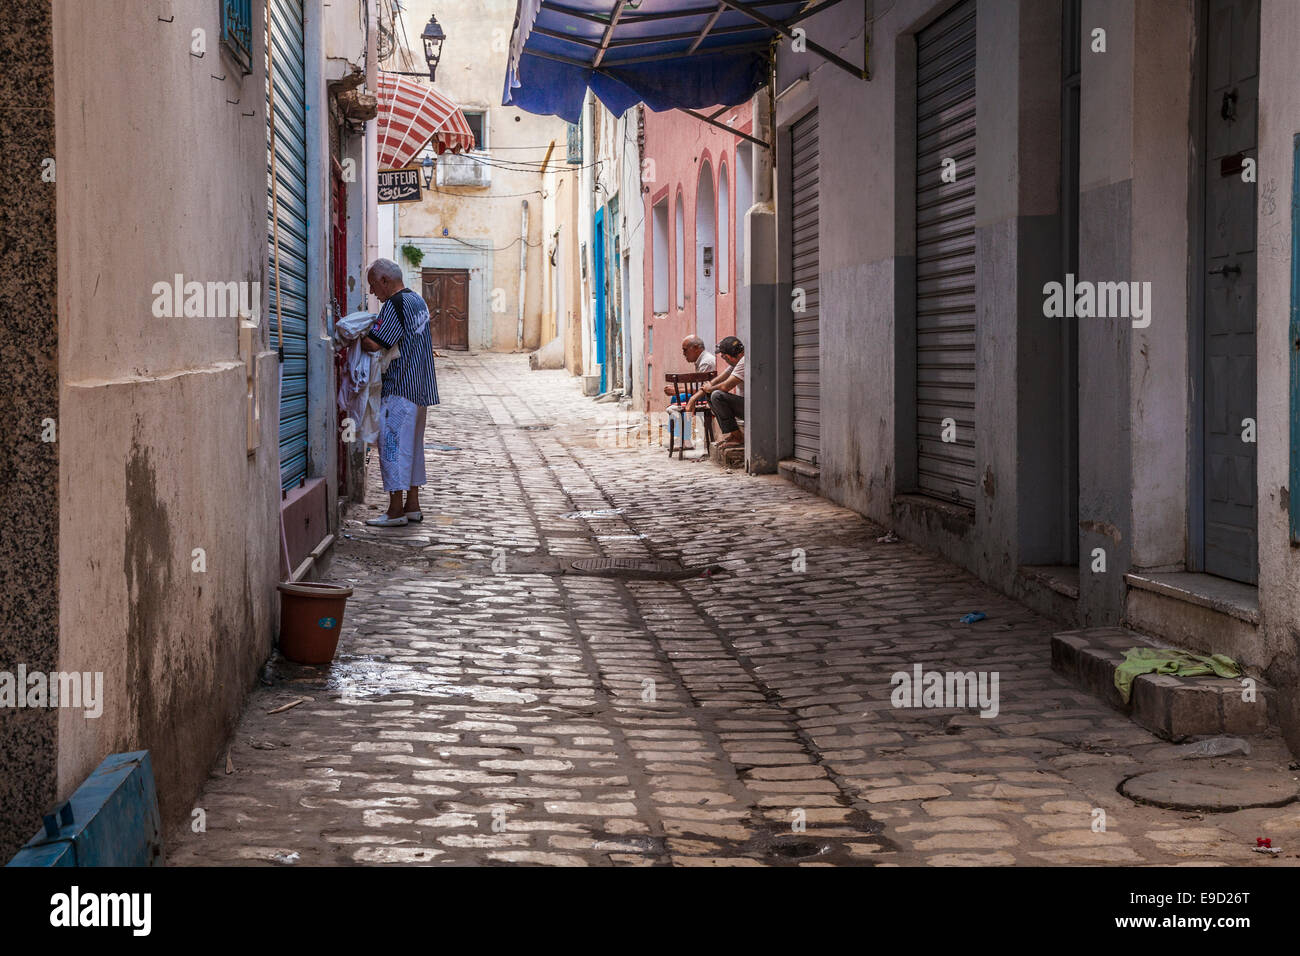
x=1227, y=370
x=446, y=292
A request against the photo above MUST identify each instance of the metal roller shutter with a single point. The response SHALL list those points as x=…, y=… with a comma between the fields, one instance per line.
x=804, y=274
x=945, y=255
x=291, y=193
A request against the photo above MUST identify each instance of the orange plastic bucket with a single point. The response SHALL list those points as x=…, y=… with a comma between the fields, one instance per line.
x=311, y=618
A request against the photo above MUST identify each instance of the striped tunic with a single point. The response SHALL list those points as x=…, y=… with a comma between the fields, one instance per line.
x=411, y=375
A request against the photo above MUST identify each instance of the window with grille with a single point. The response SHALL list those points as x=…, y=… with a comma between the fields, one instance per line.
x=237, y=31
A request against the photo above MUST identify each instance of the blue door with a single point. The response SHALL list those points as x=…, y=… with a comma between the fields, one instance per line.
x=599, y=254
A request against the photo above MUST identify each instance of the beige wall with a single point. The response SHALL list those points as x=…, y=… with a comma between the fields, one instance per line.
x=564, y=278
x=159, y=175
x=471, y=72
x=1279, y=563
x=562, y=308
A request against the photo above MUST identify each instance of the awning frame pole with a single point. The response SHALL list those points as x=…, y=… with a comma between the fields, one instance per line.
x=812, y=11
x=686, y=14
x=704, y=32
x=631, y=61
x=609, y=33
x=645, y=41
x=723, y=126
x=781, y=28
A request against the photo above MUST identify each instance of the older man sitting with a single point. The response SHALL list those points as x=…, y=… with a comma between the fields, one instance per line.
x=704, y=361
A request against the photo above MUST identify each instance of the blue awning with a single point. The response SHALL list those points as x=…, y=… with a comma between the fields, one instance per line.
x=668, y=54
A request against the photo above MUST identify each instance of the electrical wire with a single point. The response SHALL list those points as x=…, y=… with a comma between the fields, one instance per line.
x=522, y=165
x=473, y=245
x=434, y=190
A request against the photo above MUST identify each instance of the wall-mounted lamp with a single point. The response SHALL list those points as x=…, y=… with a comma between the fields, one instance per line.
x=432, y=37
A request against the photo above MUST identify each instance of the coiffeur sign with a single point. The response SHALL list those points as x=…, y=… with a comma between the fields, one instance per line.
x=399, y=185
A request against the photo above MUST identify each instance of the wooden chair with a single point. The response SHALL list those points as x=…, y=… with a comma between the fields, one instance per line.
x=688, y=383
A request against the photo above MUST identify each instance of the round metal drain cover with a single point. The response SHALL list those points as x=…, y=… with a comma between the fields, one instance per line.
x=534, y=428
x=632, y=568
x=1216, y=790
x=797, y=849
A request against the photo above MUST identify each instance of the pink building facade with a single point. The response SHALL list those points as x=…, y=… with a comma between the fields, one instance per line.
x=696, y=186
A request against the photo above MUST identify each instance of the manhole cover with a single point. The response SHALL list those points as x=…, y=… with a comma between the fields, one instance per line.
x=534, y=428
x=633, y=568
x=1216, y=790
x=797, y=849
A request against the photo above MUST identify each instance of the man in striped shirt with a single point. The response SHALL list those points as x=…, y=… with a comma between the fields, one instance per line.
x=409, y=385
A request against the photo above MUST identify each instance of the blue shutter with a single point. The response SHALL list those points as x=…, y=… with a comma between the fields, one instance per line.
x=291, y=191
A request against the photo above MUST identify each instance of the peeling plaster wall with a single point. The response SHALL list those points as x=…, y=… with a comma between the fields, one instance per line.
x=158, y=176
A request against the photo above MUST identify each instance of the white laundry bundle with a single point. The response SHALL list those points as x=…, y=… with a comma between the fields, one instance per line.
x=361, y=383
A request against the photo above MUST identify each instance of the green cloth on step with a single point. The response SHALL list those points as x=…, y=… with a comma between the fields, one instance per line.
x=1168, y=660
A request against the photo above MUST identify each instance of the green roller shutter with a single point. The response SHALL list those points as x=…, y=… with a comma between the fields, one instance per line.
x=291, y=194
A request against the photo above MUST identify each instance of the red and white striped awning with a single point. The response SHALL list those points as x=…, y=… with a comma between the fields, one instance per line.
x=413, y=115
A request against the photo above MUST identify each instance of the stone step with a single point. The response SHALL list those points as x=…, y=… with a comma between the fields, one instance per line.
x=1169, y=706
x=727, y=457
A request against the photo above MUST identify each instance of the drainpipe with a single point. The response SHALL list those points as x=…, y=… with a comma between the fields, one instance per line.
x=523, y=271
x=372, y=154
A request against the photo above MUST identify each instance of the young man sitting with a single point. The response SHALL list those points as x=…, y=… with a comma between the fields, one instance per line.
x=726, y=393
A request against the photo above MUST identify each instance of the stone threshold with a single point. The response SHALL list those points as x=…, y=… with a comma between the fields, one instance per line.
x=1198, y=611
x=1060, y=578
x=1232, y=598
x=1050, y=589
x=801, y=473
x=1169, y=706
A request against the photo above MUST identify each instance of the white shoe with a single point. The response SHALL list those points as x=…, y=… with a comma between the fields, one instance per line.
x=383, y=521
x=415, y=517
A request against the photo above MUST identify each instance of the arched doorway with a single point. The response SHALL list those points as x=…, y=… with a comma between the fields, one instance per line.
x=706, y=258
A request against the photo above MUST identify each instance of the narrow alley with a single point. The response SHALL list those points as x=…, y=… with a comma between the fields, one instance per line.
x=490, y=704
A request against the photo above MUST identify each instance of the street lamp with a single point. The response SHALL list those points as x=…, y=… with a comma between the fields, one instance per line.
x=426, y=171
x=432, y=37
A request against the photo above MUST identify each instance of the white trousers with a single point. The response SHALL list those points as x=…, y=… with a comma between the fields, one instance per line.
x=401, y=444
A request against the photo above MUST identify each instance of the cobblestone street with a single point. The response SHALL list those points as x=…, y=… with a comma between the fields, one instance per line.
x=485, y=708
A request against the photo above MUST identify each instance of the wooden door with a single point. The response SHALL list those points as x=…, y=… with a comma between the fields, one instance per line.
x=446, y=293
x=1228, y=374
